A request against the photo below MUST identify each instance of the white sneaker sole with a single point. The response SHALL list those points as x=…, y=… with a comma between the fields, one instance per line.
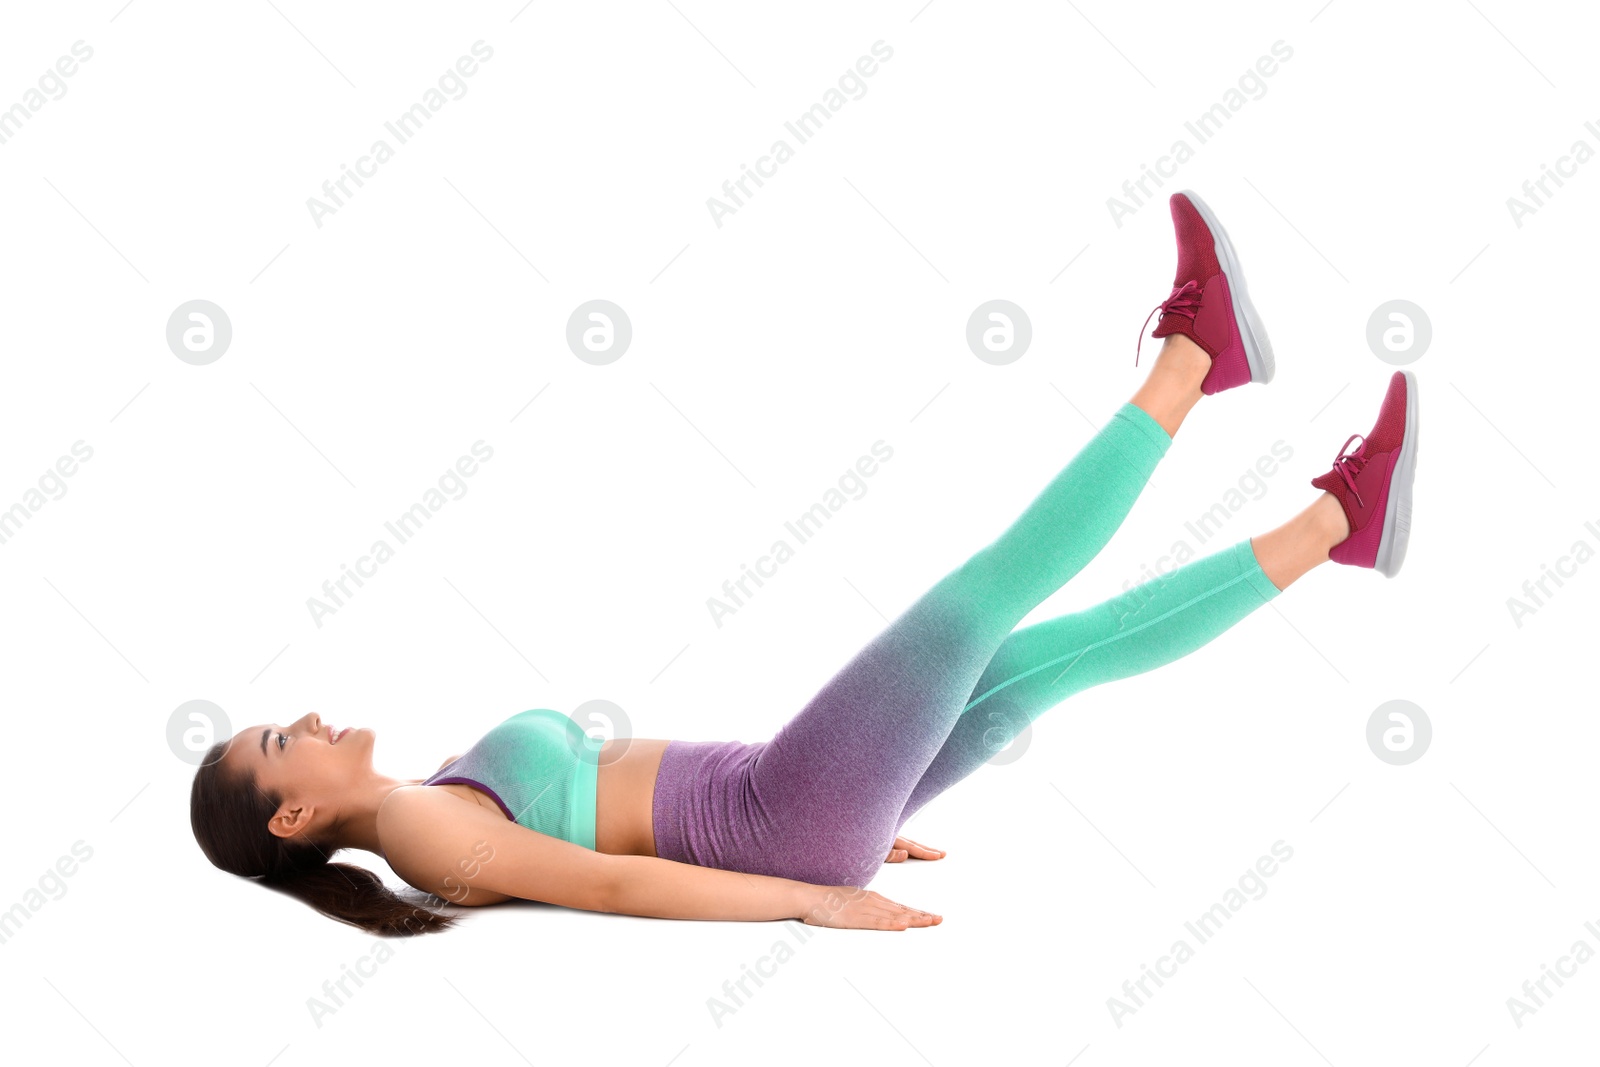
x=1397, y=516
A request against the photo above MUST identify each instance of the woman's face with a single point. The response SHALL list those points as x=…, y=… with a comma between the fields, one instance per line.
x=312, y=766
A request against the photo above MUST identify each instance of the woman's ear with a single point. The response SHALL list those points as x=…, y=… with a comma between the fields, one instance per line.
x=291, y=821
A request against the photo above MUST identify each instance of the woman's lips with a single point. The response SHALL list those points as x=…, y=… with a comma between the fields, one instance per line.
x=335, y=735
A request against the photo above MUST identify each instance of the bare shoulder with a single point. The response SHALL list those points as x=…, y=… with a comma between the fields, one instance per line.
x=427, y=836
x=469, y=853
x=447, y=763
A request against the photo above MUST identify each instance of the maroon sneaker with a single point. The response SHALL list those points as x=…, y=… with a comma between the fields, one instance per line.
x=1373, y=483
x=1209, y=303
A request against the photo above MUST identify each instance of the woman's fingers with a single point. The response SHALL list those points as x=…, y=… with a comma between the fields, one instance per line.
x=914, y=850
x=901, y=917
x=867, y=910
x=892, y=915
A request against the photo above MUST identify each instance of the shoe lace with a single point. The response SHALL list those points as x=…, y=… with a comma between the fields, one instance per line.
x=1349, y=464
x=1185, y=300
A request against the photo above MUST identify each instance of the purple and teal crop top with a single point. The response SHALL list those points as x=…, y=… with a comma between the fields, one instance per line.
x=541, y=768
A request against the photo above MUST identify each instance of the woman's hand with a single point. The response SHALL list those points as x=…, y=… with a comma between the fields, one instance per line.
x=904, y=847
x=848, y=907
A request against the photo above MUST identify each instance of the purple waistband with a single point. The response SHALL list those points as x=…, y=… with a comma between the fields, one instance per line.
x=694, y=785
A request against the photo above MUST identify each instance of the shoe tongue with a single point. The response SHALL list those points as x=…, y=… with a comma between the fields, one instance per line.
x=1174, y=322
x=1197, y=254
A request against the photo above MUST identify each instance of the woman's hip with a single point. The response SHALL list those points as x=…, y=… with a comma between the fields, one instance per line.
x=707, y=810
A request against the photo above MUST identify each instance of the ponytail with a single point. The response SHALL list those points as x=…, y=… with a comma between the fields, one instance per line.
x=229, y=816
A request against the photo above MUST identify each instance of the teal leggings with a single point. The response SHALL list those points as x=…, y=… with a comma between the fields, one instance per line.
x=951, y=681
x=1039, y=666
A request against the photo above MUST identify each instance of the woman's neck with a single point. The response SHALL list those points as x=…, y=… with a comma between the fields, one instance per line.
x=357, y=823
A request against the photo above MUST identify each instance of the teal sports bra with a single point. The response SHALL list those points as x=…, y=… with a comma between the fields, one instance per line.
x=541, y=768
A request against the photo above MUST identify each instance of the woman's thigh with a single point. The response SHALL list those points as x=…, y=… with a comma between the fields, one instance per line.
x=836, y=776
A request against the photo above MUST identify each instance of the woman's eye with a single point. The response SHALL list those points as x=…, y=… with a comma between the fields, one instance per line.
x=282, y=740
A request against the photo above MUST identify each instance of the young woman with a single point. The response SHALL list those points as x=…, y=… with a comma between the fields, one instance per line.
x=796, y=826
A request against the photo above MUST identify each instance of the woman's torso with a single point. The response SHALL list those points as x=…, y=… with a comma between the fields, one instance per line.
x=624, y=790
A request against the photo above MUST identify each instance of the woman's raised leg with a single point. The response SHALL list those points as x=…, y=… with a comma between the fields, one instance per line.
x=829, y=787
x=1362, y=518
x=830, y=784
x=1152, y=624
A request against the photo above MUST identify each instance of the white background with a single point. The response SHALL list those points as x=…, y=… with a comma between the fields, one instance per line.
x=768, y=355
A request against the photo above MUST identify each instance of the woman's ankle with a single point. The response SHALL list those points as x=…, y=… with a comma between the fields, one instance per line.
x=1302, y=544
x=1173, y=386
x=1183, y=357
x=1329, y=519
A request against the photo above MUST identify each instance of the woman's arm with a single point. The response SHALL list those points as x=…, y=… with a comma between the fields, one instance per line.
x=470, y=855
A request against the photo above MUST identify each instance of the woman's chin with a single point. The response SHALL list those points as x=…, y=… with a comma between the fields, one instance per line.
x=358, y=740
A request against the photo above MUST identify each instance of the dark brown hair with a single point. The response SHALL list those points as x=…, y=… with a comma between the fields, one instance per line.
x=229, y=815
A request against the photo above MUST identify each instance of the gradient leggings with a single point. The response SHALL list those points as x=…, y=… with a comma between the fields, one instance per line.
x=950, y=682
